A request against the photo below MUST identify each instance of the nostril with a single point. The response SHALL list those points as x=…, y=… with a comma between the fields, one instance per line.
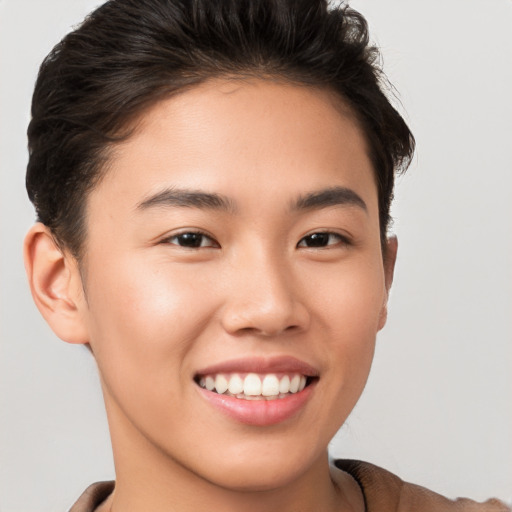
x=266, y=331
x=270, y=332
x=264, y=316
x=292, y=328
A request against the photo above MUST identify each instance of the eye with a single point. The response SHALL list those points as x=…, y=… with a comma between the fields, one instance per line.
x=191, y=240
x=319, y=240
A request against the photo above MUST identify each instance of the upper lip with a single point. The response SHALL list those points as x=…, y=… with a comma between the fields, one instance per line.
x=281, y=364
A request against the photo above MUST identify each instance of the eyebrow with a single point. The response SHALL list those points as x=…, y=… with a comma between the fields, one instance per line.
x=334, y=196
x=184, y=198
x=174, y=197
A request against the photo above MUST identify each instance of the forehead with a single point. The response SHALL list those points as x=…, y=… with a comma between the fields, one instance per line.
x=222, y=133
x=253, y=109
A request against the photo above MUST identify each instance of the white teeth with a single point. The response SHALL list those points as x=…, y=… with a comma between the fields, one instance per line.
x=270, y=386
x=294, y=384
x=236, y=385
x=254, y=386
x=221, y=384
x=284, y=384
x=209, y=383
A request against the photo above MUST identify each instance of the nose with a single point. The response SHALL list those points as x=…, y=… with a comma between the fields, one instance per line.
x=264, y=298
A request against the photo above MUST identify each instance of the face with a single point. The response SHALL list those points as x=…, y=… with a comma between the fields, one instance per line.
x=234, y=243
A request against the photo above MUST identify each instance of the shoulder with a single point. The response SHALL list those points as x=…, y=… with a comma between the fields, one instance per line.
x=385, y=492
x=93, y=496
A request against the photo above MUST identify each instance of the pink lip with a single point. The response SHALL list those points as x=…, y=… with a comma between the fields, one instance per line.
x=281, y=364
x=259, y=412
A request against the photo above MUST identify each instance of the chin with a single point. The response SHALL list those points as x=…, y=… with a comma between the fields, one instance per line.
x=256, y=477
x=265, y=469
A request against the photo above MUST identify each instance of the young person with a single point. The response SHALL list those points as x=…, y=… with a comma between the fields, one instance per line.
x=213, y=182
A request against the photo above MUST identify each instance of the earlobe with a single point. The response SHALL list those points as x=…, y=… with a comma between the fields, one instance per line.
x=55, y=284
x=389, y=270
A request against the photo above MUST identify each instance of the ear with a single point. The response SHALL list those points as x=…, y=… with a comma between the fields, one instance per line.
x=389, y=270
x=56, y=285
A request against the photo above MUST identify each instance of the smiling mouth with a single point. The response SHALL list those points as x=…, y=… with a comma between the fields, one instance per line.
x=254, y=386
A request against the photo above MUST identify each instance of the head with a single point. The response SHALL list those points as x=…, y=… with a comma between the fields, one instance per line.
x=213, y=180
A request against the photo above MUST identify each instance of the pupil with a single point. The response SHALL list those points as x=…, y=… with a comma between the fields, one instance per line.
x=317, y=240
x=190, y=239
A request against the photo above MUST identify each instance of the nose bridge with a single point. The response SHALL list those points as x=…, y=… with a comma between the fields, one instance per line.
x=263, y=297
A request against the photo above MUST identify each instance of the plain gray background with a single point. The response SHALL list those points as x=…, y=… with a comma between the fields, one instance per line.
x=437, y=409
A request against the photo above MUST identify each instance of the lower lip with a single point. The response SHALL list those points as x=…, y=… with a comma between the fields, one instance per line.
x=259, y=412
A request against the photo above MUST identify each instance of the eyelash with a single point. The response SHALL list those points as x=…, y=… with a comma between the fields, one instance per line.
x=341, y=240
x=201, y=237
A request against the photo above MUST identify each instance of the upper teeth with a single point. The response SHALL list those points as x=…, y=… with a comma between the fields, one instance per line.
x=254, y=385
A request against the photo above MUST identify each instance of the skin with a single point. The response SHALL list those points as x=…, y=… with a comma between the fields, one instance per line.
x=155, y=312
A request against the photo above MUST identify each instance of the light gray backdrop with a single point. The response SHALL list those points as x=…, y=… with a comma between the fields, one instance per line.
x=438, y=408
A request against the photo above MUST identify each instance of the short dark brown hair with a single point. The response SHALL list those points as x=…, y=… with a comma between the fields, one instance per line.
x=129, y=54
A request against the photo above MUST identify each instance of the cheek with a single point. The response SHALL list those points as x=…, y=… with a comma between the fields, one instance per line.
x=350, y=310
x=350, y=297
x=345, y=302
x=146, y=326
x=143, y=320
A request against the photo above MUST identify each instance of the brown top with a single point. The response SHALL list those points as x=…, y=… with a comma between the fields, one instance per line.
x=383, y=492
